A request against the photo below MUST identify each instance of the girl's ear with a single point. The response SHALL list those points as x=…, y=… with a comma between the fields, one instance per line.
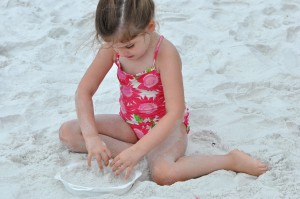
x=151, y=26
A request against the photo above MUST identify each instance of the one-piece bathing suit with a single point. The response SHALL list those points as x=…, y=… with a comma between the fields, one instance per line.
x=142, y=101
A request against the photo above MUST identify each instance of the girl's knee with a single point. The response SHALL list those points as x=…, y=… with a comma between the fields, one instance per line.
x=164, y=174
x=64, y=132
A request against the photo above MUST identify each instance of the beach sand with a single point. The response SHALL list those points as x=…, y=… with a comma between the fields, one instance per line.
x=241, y=67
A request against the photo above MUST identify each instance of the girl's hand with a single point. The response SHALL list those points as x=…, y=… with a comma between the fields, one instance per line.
x=127, y=159
x=97, y=148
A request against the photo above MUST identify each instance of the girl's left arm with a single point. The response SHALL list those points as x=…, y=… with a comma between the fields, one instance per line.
x=171, y=76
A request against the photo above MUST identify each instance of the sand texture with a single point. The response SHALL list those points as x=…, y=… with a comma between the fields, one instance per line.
x=241, y=68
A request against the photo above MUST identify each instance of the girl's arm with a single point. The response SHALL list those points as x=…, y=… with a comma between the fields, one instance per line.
x=84, y=104
x=171, y=76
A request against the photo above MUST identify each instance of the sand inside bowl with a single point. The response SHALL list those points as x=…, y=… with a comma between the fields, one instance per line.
x=81, y=174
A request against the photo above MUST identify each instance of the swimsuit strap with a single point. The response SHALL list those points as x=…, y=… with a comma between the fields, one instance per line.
x=118, y=60
x=155, y=52
x=157, y=48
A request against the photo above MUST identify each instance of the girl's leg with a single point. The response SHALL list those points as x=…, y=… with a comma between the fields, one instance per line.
x=113, y=130
x=169, y=165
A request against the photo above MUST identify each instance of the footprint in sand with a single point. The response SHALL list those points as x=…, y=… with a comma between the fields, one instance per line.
x=292, y=33
x=188, y=43
x=4, y=56
x=277, y=158
x=56, y=33
x=11, y=4
x=22, y=158
x=47, y=54
x=52, y=102
x=261, y=48
x=269, y=11
x=3, y=61
x=28, y=156
x=174, y=16
x=39, y=138
x=225, y=87
x=190, y=40
x=11, y=120
x=208, y=137
x=85, y=21
x=274, y=22
x=229, y=3
x=271, y=23
x=289, y=8
x=243, y=32
x=4, y=51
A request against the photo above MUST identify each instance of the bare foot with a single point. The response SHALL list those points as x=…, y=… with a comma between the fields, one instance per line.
x=243, y=163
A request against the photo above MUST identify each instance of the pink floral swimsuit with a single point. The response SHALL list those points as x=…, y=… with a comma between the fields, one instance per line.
x=142, y=101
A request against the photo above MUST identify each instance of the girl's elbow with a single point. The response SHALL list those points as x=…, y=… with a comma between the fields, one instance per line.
x=82, y=95
x=178, y=114
x=77, y=94
x=83, y=91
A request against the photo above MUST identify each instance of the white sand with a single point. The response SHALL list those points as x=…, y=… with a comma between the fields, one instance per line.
x=241, y=65
x=90, y=177
x=80, y=174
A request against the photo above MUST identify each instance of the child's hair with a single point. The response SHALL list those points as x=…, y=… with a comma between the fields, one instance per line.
x=122, y=20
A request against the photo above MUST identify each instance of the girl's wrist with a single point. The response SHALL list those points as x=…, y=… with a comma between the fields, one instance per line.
x=90, y=136
x=140, y=149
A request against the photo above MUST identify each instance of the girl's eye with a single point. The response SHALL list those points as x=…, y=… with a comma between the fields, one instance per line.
x=130, y=46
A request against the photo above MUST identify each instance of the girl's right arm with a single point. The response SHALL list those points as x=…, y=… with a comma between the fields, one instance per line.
x=84, y=104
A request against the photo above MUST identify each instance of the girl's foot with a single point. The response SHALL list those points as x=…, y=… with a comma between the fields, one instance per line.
x=243, y=163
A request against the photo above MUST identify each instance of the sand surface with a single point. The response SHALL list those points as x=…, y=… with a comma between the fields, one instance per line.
x=241, y=67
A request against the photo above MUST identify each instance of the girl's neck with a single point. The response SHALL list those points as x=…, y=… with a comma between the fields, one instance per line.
x=145, y=61
x=154, y=37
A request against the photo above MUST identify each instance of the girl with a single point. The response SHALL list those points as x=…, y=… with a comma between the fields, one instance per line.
x=153, y=118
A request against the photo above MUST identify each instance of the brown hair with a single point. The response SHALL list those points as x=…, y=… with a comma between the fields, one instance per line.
x=122, y=20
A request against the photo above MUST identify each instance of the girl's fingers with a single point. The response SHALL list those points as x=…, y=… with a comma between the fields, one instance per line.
x=108, y=153
x=128, y=172
x=113, y=162
x=117, y=165
x=99, y=161
x=120, y=169
x=105, y=158
x=89, y=160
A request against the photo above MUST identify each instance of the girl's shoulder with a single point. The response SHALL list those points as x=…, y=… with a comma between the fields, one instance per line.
x=104, y=59
x=107, y=51
x=167, y=45
x=168, y=54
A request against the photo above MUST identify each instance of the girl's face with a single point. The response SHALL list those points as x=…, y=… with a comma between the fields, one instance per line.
x=135, y=48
